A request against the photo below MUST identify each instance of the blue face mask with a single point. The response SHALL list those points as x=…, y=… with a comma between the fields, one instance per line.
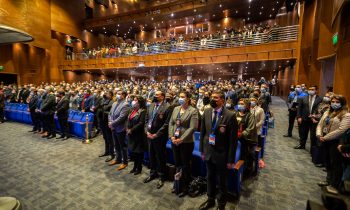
x=336, y=106
x=181, y=101
x=241, y=107
x=148, y=104
x=298, y=90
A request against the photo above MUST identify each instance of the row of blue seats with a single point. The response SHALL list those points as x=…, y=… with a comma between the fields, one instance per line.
x=76, y=120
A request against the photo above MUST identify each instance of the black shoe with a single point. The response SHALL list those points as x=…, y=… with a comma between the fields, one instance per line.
x=160, y=184
x=132, y=171
x=173, y=190
x=103, y=155
x=319, y=165
x=61, y=137
x=287, y=135
x=323, y=183
x=299, y=147
x=207, y=205
x=148, y=179
x=137, y=172
x=109, y=158
x=325, y=170
x=51, y=137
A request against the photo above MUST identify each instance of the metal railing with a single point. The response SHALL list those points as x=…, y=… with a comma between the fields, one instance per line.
x=278, y=34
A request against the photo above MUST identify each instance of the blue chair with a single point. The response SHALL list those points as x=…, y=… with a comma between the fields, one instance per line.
x=235, y=175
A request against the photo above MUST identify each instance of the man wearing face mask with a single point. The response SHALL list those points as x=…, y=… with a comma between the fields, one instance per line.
x=293, y=108
x=117, y=121
x=156, y=129
x=218, y=142
x=48, y=109
x=306, y=108
x=86, y=103
x=62, y=108
x=96, y=108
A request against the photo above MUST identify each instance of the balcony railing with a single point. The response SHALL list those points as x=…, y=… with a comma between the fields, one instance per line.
x=278, y=34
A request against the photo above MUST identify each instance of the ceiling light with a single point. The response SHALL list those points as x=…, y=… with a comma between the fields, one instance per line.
x=91, y=30
x=104, y=28
x=134, y=22
x=172, y=14
x=220, y=5
x=262, y=7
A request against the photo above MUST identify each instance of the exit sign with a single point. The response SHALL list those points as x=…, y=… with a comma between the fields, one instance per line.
x=335, y=38
x=1, y=68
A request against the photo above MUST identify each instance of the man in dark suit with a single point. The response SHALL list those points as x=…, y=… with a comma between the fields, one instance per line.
x=62, y=108
x=33, y=100
x=117, y=123
x=48, y=110
x=218, y=143
x=306, y=107
x=156, y=128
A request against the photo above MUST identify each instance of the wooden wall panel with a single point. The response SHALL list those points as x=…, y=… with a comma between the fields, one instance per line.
x=31, y=16
x=67, y=17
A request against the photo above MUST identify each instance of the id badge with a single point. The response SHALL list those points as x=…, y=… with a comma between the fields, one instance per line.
x=178, y=122
x=212, y=139
x=149, y=125
x=325, y=129
x=177, y=132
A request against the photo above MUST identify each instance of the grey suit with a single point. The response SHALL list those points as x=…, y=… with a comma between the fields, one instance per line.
x=186, y=123
x=118, y=117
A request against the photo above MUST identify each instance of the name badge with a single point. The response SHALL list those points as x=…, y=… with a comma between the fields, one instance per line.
x=177, y=132
x=178, y=122
x=212, y=139
x=149, y=125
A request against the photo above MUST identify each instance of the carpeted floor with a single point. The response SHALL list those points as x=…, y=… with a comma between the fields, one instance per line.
x=51, y=174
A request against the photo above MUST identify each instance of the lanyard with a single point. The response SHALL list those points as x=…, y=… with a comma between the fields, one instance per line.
x=155, y=111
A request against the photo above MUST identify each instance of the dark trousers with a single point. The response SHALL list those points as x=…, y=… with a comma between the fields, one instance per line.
x=34, y=120
x=248, y=155
x=304, y=129
x=1, y=114
x=50, y=123
x=333, y=163
x=64, y=126
x=182, y=158
x=313, y=136
x=138, y=159
x=217, y=172
x=157, y=155
x=37, y=122
x=107, y=136
x=291, y=120
x=43, y=122
x=120, y=146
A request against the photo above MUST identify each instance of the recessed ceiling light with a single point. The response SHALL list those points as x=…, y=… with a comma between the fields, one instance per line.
x=104, y=28
x=91, y=30
x=172, y=14
x=220, y=5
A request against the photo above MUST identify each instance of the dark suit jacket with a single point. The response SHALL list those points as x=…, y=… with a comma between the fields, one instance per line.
x=160, y=122
x=32, y=103
x=303, y=107
x=106, y=108
x=224, y=150
x=87, y=104
x=49, y=104
x=189, y=122
x=62, y=108
x=137, y=137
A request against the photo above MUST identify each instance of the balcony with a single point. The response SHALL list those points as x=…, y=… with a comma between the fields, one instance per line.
x=277, y=44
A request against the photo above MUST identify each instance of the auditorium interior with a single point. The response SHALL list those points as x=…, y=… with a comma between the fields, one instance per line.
x=233, y=49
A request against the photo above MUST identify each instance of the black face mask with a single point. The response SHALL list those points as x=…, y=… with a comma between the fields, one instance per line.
x=213, y=104
x=206, y=100
x=168, y=100
x=155, y=100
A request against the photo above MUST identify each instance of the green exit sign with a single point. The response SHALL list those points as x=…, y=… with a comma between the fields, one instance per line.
x=1, y=68
x=335, y=38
